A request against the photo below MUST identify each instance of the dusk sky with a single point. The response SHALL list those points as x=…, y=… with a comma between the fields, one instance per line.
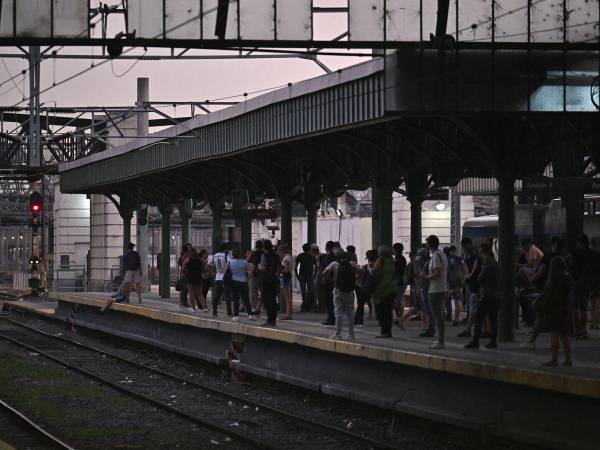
x=169, y=80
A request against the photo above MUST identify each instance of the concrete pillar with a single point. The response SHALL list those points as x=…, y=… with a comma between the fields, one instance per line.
x=416, y=222
x=385, y=216
x=141, y=239
x=165, y=253
x=286, y=221
x=311, y=218
x=506, y=243
x=246, y=232
x=141, y=228
x=126, y=232
x=375, y=211
x=106, y=228
x=143, y=95
x=572, y=198
x=71, y=232
x=217, y=230
x=185, y=214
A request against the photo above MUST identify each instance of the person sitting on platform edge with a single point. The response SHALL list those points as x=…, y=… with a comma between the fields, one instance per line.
x=342, y=272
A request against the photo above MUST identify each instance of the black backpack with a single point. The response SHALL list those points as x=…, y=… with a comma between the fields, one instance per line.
x=133, y=260
x=346, y=276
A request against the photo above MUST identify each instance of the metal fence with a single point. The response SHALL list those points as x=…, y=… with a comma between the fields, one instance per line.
x=70, y=279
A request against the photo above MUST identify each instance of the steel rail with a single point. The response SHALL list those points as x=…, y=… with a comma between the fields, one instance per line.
x=45, y=435
x=204, y=423
x=377, y=444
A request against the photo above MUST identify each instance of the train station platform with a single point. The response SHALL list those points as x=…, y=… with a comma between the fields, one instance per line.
x=505, y=391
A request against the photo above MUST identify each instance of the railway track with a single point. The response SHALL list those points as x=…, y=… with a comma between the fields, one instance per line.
x=19, y=431
x=245, y=416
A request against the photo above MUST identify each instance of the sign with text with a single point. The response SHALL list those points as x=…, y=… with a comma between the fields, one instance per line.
x=255, y=214
x=556, y=185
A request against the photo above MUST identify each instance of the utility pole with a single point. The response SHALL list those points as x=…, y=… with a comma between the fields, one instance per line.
x=35, y=156
x=455, y=212
x=38, y=254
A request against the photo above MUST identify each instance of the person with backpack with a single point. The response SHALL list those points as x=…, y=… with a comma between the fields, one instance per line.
x=133, y=272
x=269, y=266
x=456, y=280
x=342, y=272
x=325, y=283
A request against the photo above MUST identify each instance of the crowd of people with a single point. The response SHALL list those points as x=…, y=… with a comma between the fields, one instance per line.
x=435, y=286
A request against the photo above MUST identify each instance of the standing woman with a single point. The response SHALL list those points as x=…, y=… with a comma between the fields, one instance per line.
x=555, y=308
x=365, y=287
x=193, y=278
x=386, y=287
x=207, y=275
x=489, y=294
x=239, y=285
x=183, y=258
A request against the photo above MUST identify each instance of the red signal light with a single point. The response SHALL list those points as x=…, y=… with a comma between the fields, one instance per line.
x=36, y=203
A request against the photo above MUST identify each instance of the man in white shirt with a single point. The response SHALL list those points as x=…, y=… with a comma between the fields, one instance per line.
x=438, y=286
x=219, y=263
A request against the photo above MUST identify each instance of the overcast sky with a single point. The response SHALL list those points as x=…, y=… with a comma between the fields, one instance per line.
x=170, y=80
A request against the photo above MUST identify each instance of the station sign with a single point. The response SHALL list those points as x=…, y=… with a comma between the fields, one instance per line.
x=255, y=214
x=557, y=185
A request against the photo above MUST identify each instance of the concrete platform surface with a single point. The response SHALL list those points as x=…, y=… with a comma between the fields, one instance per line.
x=508, y=364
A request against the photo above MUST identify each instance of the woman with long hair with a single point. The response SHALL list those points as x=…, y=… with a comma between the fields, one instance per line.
x=555, y=309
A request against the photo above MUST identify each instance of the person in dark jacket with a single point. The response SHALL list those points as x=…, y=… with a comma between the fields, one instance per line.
x=555, y=309
x=489, y=293
x=193, y=269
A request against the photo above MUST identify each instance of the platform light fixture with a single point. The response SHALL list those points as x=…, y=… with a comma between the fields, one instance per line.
x=440, y=206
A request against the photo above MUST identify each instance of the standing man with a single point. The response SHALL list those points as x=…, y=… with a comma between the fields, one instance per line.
x=269, y=264
x=133, y=272
x=342, y=271
x=219, y=264
x=326, y=284
x=489, y=280
x=400, y=264
x=306, y=266
x=285, y=279
x=438, y=288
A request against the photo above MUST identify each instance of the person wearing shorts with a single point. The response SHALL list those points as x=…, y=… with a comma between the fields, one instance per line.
x=133, y=272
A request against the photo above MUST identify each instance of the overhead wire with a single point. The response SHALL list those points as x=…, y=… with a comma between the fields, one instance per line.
x=254, y=49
